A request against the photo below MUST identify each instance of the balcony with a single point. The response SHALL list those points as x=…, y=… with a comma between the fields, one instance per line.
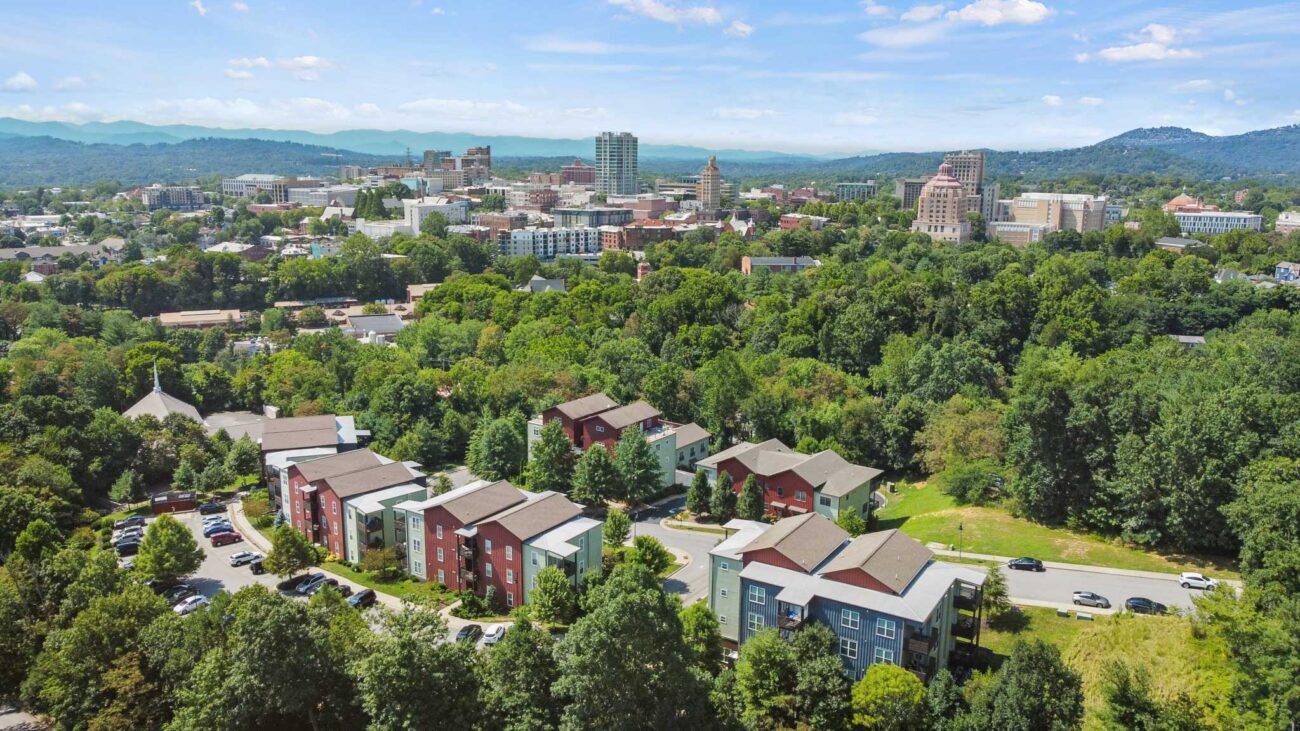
x=920, y=644
x=468, y=577
x=966, y=600
x=467, y=552
x=965, y=627
x=789, y=617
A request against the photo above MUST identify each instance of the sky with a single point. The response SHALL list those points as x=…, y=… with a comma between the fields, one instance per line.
x=825, y=76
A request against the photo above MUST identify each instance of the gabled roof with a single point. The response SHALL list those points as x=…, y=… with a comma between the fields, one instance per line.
x=159, y=405
x=298, y=423
x=630, y=414
x=338, y=464
x=299, y=432
x=826, y=471
x=690, y=434
x=806, y=539
x=369, y=480
x=888, y=556
x=737, y=450
x=587, y=405
x=541, y=512
x=474, y=502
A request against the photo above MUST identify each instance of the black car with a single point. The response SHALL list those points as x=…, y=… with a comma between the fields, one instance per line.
x=211, y=508
x=256, y=566
x=469, y=633
x=178, y=592
x=127, y=523
x=364, y=598
x=1142, y=605
x=1025, y=564
x=344, y=590
x=130, y=548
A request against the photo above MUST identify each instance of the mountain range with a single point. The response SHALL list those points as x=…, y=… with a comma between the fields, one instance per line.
x=50, y=153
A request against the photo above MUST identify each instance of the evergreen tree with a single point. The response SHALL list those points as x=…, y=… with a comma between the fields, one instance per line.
x=944, y=704
x=697, y=497
x=994, y=593
x=750, y=505
x=722, y=504
x=638, y=467
x=595, y=479
x=552, y=463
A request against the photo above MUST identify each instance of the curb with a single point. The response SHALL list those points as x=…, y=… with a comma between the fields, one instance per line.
x=1154, y=575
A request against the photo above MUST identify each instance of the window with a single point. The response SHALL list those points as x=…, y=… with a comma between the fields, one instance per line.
x=849, y=648
x=334, y=508
x=415, y=544
x=883, y=655
x=416, y=522
x=723, y=593
x=825, y=501
x=886, y=628
x=757, y=595
x=723, y=565
x=442, y=577
x=487, y=569
x=599, y=429
x=510, y=598
x=755, y=622
x=487, y=546
x=722, y=619
x=510, y=553
x=536, y=431
x=439, y=554
x=510, y=576
x=419, y=567
x=533, y=558
x=800, y=495
x=780, y=491
x=850, y=619
x=439, y=527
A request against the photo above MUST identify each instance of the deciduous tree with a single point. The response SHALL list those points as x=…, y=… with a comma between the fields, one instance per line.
x=168, y=552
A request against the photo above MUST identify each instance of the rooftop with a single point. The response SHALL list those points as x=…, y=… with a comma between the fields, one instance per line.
x=586, y=406
x=888, y=556
x=806, y=539
x=369, y=480
x=627, y=415
x=540, y=513
x=338, y=464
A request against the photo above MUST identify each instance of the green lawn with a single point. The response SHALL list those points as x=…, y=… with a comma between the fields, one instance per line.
x=1028, y=623
x=698, y=528
x=672, y=569
x=928, y=515
x=405, y=587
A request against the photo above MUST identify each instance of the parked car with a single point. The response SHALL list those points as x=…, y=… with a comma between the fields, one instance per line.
x=494, y=635
x=1193, y=580
x=225, y=539
x=308, y=584
x=239, y=558
x=211, y=508
x=364, y=598
x=224, y=527
x=343, y=589
x=222, y=518
x=130, y=548
x=1089, y=599
x=256, y=566
x=469, y=633
x=1142, y=605
x=128, y=522
x=190, y=604
x=134, y=530
x=128, y=563
x=1025, y=564
x=178, y=592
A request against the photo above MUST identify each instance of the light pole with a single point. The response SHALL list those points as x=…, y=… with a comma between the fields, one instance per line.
x=960, y=528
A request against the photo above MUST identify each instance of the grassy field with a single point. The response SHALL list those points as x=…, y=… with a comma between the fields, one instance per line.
x=1173, y=655
x=929, y=515
x=402, y=588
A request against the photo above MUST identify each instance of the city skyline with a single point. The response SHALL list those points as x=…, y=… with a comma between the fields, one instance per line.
x=832, y=77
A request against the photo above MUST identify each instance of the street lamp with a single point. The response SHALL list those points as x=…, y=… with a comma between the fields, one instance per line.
x=960, y=528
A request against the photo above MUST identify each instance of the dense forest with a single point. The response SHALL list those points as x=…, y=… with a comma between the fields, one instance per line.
x=1039, y=379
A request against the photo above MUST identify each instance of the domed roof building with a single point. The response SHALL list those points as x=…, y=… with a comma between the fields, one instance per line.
x=941, y=209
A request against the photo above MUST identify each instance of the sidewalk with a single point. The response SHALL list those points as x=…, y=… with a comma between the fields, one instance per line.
x=1156, y=575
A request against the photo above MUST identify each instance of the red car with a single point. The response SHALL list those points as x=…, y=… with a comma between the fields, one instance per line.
x=223, y=539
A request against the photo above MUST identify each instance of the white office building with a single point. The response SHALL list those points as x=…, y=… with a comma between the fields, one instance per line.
x=1218, y=222
x=548, y=243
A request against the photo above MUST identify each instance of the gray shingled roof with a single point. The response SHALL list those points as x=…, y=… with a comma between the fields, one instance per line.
x=483, y=502
x=375, y=478
x=587, y=405
x=888, y=556
x=804, y=539
x=159, y=404
x=298, y=423
x=304, y=439
x=690, y=434
x=338, y=464
x=537, y=516
x=630, y=414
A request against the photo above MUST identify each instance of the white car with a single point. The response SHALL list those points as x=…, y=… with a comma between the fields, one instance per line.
x=1193, y=580
x=190, y=604
x=242, y=557
x=494, y=635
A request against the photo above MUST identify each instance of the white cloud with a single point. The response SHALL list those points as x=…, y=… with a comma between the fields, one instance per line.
x=437, y=11
x=1229, y=95
x=463, y=108
x=854, y=119
x=238, y=74
x=1152, y=43
x=368, y=109
x=1052, y=100
x=588, y=112
x=198, y=5
x=239, y=7
x=742, y=113
x=305, y=68
x=922, y=13
x=248, y=63
x=670, y=13
x=905, y=36
x=875, y=9
x=561, y=45
x=737, y=29
x=69, y=83
x=821, y=75
x=1091, y=101
x=999, y=12
x=72, y=112
x=1196, y=85
x=21, y=81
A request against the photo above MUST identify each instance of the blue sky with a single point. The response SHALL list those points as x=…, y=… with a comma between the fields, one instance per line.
x=810, y=75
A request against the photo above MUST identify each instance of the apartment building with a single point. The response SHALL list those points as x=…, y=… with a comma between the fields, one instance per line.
x=908, y=191
x=616, y=164
x=777, y=264
x=330, y=195
x=591, y=217
x=1288, y=222
x=548, y=243
x=856, y=191
x=172, y=197
x=498, y=222
x=793, y=221
x=795, y=483
x=883, y=595
x=579, y=173
x=1218, y=222
x=294, y=440
x=942, y=207
x=277, y=187
x=709, y=190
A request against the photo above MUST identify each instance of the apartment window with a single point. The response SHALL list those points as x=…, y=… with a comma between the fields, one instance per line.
x=536, y=431
x=510, y=553
x=533, y=558
x=416, y=523
x=415, y=544
x=800, y=495
x=850, y=619
x=334, y=508
x=510, y=576
x=439, y=554
x=487, y=569
x=757, y=595
x=510, y=598
x=780, y=491
x=722, y=619
x=849, y=648
x=439, y=531
x=755, y=622
x=723, y=593
x=825, y=501
x=723, y=565
x=487, y=545
x=883, y=655
x=419, y=567
x=599, y=429
x=886, y=628
x=442, y=577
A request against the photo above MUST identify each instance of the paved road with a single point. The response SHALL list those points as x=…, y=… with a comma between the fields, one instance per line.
x=691, y=582
x=1058, y=584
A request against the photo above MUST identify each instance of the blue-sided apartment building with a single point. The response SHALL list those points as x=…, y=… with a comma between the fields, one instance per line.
x=883, y=594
